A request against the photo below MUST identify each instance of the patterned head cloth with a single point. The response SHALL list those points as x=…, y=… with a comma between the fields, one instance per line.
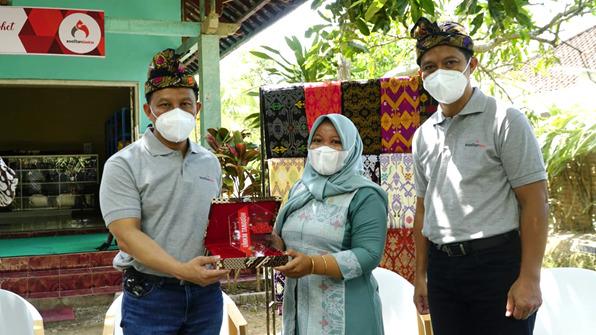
x=166, y=71
x=430, y=34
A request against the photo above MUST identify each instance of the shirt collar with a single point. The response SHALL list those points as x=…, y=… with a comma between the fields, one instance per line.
x=476, y=104
x=156, y=148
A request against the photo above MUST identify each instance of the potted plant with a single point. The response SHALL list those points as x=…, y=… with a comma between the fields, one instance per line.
x=239, y=159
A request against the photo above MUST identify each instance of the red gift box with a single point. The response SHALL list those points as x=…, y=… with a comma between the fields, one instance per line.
x=240, y=232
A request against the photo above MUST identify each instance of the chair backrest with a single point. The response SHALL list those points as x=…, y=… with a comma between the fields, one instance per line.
x=231, y=315
x=18, y=316
x=569, y=302
x=396, y=295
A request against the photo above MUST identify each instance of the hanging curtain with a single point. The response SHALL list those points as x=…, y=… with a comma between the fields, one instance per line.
x=282, y=110
x=320, y=99
x=400, y=252
x=400, y=115
x=397, y=179
x=360, y=103
x=283, y=174
x=372, y=168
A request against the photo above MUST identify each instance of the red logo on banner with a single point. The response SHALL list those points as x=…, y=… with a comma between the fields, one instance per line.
x=51, y=31
x=244, y=227
x=80, y=26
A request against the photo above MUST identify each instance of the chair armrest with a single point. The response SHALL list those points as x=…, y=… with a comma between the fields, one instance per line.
x=424, y=324
x=38, y=327
x=109, y=324
x=236, y=321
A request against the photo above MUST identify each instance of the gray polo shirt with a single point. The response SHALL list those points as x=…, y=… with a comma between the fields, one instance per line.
x=466, y=169
x=169, y=193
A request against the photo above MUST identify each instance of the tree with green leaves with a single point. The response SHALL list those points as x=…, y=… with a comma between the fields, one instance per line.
x=372, y=37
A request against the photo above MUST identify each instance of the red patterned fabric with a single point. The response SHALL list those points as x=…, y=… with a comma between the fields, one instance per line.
x=400, y=253
x=320, y=99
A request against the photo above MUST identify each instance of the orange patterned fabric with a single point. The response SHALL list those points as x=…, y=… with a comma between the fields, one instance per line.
x=400, y=253
x=320, y=99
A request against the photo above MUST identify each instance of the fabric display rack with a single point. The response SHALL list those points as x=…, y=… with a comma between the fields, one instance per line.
x=386, y=112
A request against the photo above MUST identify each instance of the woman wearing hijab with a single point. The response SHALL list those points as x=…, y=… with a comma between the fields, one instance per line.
x=333, y=226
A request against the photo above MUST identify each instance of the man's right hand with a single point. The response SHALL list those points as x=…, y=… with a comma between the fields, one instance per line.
x=421, y=296
x=196, y=271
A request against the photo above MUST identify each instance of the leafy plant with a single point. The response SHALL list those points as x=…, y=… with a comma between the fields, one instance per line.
x=566, y=136
x=239, y=159
x=568, y=140
x=310, y=64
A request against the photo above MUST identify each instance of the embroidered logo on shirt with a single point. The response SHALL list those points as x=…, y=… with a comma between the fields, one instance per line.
x=476, y=144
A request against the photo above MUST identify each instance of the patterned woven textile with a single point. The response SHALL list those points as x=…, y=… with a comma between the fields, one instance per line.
x=372, y=167
x=428, y=105
x=283, y=174
x=400, y=252
x=282, y=111
x=252, y=262
x=320, y=99
x=361, y=103
x=400, y=116
x=397, y=178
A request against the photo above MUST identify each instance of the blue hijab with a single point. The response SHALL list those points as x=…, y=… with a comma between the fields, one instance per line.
x=350, y=178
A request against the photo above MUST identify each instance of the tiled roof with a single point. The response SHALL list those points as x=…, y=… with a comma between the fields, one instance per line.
x=577, y=56
x=252, y=15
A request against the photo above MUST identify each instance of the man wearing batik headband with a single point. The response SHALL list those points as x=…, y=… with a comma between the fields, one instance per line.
x=155, y=197
x=481, y=209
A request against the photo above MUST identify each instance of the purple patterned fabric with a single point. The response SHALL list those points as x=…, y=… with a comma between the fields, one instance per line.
x=279, y=283
x=400, y=115
x=397, y=179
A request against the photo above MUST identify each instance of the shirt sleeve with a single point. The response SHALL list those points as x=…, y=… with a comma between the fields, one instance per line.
x=368, y=217
x=520, y=152
x=8, y=184
x=119, y=197
x=420, y=182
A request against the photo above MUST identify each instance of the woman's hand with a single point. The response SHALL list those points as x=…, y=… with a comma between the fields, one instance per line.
x=300, y=265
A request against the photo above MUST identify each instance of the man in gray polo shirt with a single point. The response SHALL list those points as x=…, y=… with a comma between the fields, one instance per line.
x=155, y=197
x=480, y=225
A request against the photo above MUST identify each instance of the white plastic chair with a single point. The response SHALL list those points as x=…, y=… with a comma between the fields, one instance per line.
x=18, y=316
x=569, y=302
x=111, y=324
x=399, y=311
x=231, y=316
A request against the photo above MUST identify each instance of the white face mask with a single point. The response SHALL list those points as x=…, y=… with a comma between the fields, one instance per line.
x=326, y=160
x=175, y=125
x=446, y=86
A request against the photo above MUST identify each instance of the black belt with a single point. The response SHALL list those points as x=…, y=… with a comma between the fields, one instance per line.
x=133, y=273
x=469, y=247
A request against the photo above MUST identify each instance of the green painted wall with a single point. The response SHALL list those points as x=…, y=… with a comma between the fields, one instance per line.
x=127, y=56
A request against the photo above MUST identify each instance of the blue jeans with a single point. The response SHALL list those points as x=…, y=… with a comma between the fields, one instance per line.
x=468, y=294
x=152, y=308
